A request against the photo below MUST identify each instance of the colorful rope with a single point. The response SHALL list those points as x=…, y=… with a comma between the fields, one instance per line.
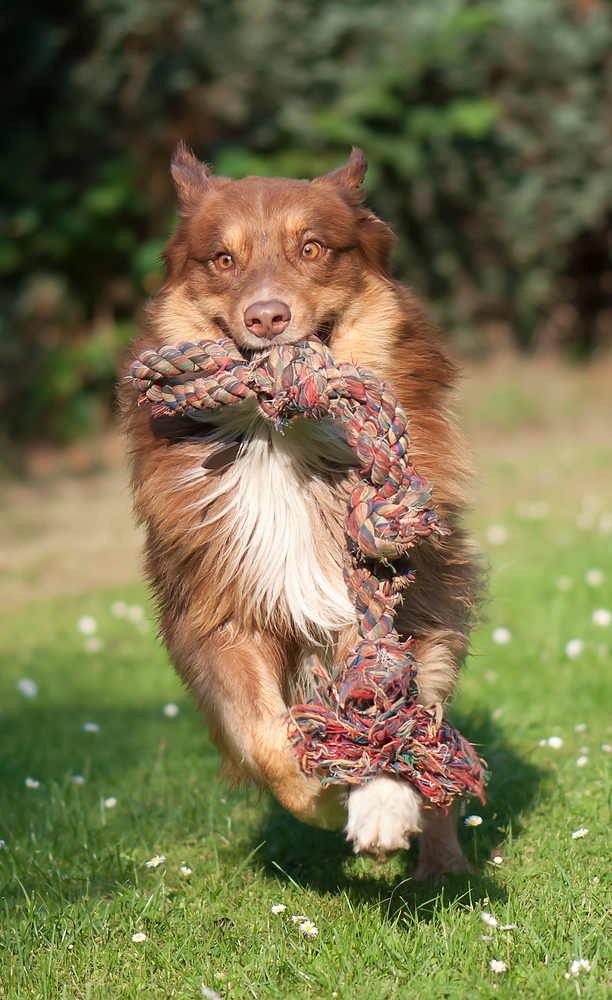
x=365, y=720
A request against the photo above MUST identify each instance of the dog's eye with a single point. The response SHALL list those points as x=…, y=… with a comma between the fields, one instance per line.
x=312, y=250
x=225, y=261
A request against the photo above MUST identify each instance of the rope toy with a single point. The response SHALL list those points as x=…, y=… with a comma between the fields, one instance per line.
x=364, y=720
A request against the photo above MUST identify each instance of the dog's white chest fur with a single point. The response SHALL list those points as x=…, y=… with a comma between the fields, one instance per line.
x=279, y=542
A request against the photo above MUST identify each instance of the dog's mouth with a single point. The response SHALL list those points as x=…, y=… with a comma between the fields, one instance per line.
x=323, y=332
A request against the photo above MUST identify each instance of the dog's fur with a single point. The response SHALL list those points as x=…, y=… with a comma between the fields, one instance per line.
x=245, y=526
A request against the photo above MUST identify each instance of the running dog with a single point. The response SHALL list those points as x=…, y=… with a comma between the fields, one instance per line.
x=244, y=525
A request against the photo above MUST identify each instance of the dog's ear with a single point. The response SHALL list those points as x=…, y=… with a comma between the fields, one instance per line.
x=191, y=178
x=350, y=175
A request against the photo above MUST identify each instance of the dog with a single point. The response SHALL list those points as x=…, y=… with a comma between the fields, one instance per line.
x=244, y=525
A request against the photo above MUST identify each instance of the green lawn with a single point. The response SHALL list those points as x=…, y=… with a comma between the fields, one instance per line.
x=74, y=882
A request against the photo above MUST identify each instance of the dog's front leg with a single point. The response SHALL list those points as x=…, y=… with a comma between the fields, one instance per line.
x=236, y=681
x=439, y=848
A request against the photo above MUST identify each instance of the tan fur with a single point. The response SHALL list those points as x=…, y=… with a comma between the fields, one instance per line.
x=235, y=637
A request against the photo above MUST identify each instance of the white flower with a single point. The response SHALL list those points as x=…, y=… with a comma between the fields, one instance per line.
x=565, y=583
x=574, y=648
x=32, y=783
x=582, y=832
x=473, y=820
x=91, y=727
x=136, y=613
x=577, y=965
x=582, y=761
x=555, y=742
x=110, y=803
x=606, y=747
x=170, y=710
x=497, y=534
x=2, y=844
x=501, y=636
x=156, y=860
x=119, y=609
x=594, y=577
x=278, y=908
x=487, y=937
x=184, y=870
x=605, y=522
x=138, y=937
x=77, y=779
x=308, y=929
x=496, y=965
x=488, y=919
x=498, y=860
x=602, y=617
x=297, y=917
x=93, y=645
x=27, y=687
x=580, y=728
x=87, y=625
x=508, y=927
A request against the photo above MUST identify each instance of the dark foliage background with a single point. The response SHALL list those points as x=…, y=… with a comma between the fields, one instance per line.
x=487, y=126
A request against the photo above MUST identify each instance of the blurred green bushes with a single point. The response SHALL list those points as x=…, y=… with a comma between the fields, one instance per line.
x=487, y=126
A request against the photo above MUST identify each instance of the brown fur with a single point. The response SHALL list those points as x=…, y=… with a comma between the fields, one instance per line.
x=241, y=665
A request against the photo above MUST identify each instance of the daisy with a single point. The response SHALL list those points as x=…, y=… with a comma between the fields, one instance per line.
x=582, y=832
x=278, y=908
x=497, y=534
x=138, y=937
x=308, y=929
x=77, y=779
x=594, y=577
x=582, y=761
x=91, y=727
x=496, y=965
x=488, y=919
x=508, y=927
x=119, y=609
x=487, y=937
x=184, y=870
x=555, y=742
x=93, y=645
x=574, y=648
x=87, y=625
x=32, y=783
x=297, y=917
x=501, y=636
x=498, y=860
x=472, y=820
x=27, y=687
x=156, y=860
x=577, y=966
x=602, y=617
x=580, y=728
x=606, y=747
x=110, y=802
x=170, y=710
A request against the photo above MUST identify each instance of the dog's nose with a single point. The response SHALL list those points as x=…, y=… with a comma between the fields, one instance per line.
x=267, y=319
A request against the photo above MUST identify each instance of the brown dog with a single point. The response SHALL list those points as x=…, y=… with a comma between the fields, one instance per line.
x=245, y=526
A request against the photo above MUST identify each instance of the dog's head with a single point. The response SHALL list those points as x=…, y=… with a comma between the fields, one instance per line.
x=270, y=260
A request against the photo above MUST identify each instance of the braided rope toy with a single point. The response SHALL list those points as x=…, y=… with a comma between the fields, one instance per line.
x=364, y=720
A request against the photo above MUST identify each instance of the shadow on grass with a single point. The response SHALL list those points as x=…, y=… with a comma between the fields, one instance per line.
x=323, y=861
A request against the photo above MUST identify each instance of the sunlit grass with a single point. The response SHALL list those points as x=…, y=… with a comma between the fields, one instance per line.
x=74, y=882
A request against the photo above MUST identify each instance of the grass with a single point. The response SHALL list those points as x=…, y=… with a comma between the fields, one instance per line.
x=74, y=884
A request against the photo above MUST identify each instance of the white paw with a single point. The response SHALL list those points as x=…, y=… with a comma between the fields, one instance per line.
x=382, y=815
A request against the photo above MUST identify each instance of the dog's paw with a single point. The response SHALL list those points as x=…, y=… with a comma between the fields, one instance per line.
x=382, y=815
x=436, y=868
x=439, y=848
